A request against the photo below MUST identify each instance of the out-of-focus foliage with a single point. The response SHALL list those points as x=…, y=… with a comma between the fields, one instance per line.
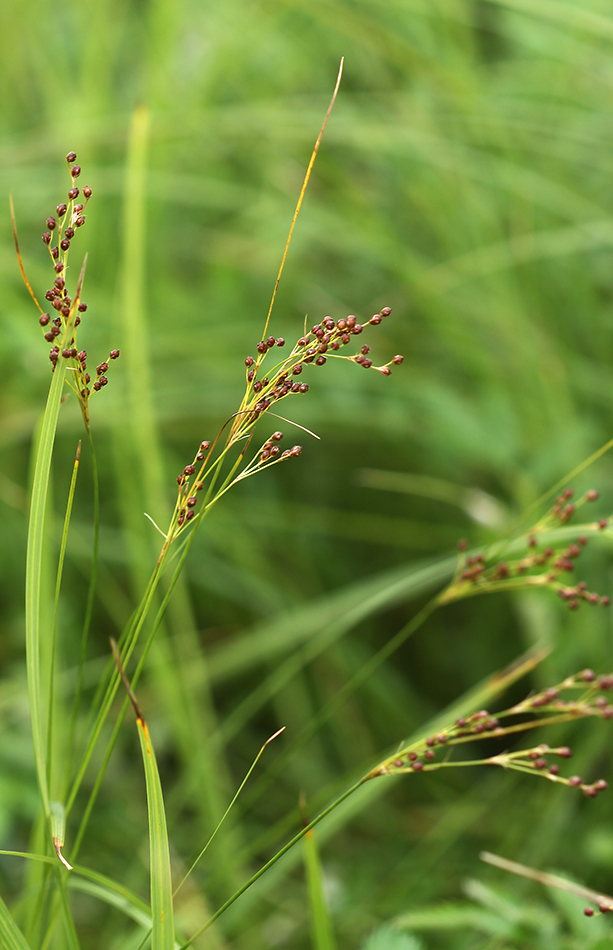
x=465, y=180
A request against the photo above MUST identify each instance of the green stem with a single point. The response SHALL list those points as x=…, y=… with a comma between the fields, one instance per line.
x=290, y=844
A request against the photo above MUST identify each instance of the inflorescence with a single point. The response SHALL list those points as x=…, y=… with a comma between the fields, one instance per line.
x=545, y=708
x=58, y=237
x=264, y=390
x=543, y=565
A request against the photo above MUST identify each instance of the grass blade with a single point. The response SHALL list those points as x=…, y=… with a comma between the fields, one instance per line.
x=162, y=923
x=322, y=935
x=10, y=934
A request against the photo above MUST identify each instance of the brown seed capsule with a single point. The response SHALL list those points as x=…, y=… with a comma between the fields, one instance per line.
x=554, y=769
x=297, y=369
x=205, y=446
x=320, y=360
x=601, y=785
x=249, y=361
x=51, y=223
x=398, y=359
x=61, y=210
x=574, y=781
x=280, y=341
x=49, y=336
x=71, y=157
x=59, y=267
x=588, y=912
x=592, y=495
x=303, y=388
x=65, y=310
x=191, y=501
x=417, y=766
x=56, y=303
x=590, y=791
x=366, y=363
x=189, y=469
x=69, y=232
x=87, y=191
x=351, y=320
x=75, y=171
x=270, y=341
x=276, y=436
x=64, y=244
x=44, y=319
x=296, y=450
x=73, y=193
x=385, y=311
x=295, y=387
x=80, y=222
x=261, y=347
x=102, y=368
x=47, y=238
x=257, y=386
x=113, y=355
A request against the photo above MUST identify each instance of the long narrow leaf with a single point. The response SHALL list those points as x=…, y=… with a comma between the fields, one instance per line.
x=10, y=934
x=322, y=935
x=163, y=934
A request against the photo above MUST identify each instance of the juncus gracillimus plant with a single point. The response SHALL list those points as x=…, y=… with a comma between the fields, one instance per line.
x=274, y=374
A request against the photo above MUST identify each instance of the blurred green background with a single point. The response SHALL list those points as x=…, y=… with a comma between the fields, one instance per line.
x=465, y=181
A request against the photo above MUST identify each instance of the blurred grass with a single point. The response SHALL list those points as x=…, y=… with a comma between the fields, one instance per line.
x=465, y=180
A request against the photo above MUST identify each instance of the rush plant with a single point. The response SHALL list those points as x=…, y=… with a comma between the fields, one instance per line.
x=275, y=373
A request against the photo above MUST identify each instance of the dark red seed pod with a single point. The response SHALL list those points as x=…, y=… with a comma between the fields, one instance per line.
x=375, y=319
x=601, y=785
x=261, y=347
x=365, y=349
x=367, y=363
x=588, y=912
x=64, y=244
x=358, y=328
x=270, y=341
x=102, y=368
x=189, y=515
x=351, y=320
x=87, y=377
x=575, y=781
x=249, y=361
x=345, y=338
x=320, y=360
x=82, y=356
x=49, y=295
x=295, y=387
x=341, y=324
x=61, y=210
x=69, y=232
x=592, y=495
x=191, y=501
x=540, y=763
x=77, y=320
x=385, y=311
x=66, y=354
x=44, y=319
x=80, y=222
x=114, y=354
x=417, y=766
x=398, y=359
x=87, y=191
x=51, y=223
x=205, y=446
x=280, y=341
x=590, y=791
x=554, y=769
x=605, y=601
x=73, y=193
x=57, y=304
x=296, y=450
x=82, y=307
x=303, y=388
x=55, y=331
x=59, y=267
x=49, y=336
x=97, y=386
x=257, y=386
x=189, y=469
x=297, y=369
x=65, y=310
x=47, y=238
x=75, y=171
x=55, y=253
x=71, y=157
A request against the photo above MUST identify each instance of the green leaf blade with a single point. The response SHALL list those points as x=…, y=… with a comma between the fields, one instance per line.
x=163, y=934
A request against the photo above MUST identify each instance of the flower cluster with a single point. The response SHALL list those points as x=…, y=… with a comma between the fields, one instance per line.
x=543, y=565
x=61, y=330
x=545, y=708
x=264, y=390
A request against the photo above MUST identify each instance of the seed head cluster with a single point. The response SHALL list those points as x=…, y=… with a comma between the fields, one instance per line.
x=543, y=565
x=264, y=390
x=545, y=708
x=60, y=328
